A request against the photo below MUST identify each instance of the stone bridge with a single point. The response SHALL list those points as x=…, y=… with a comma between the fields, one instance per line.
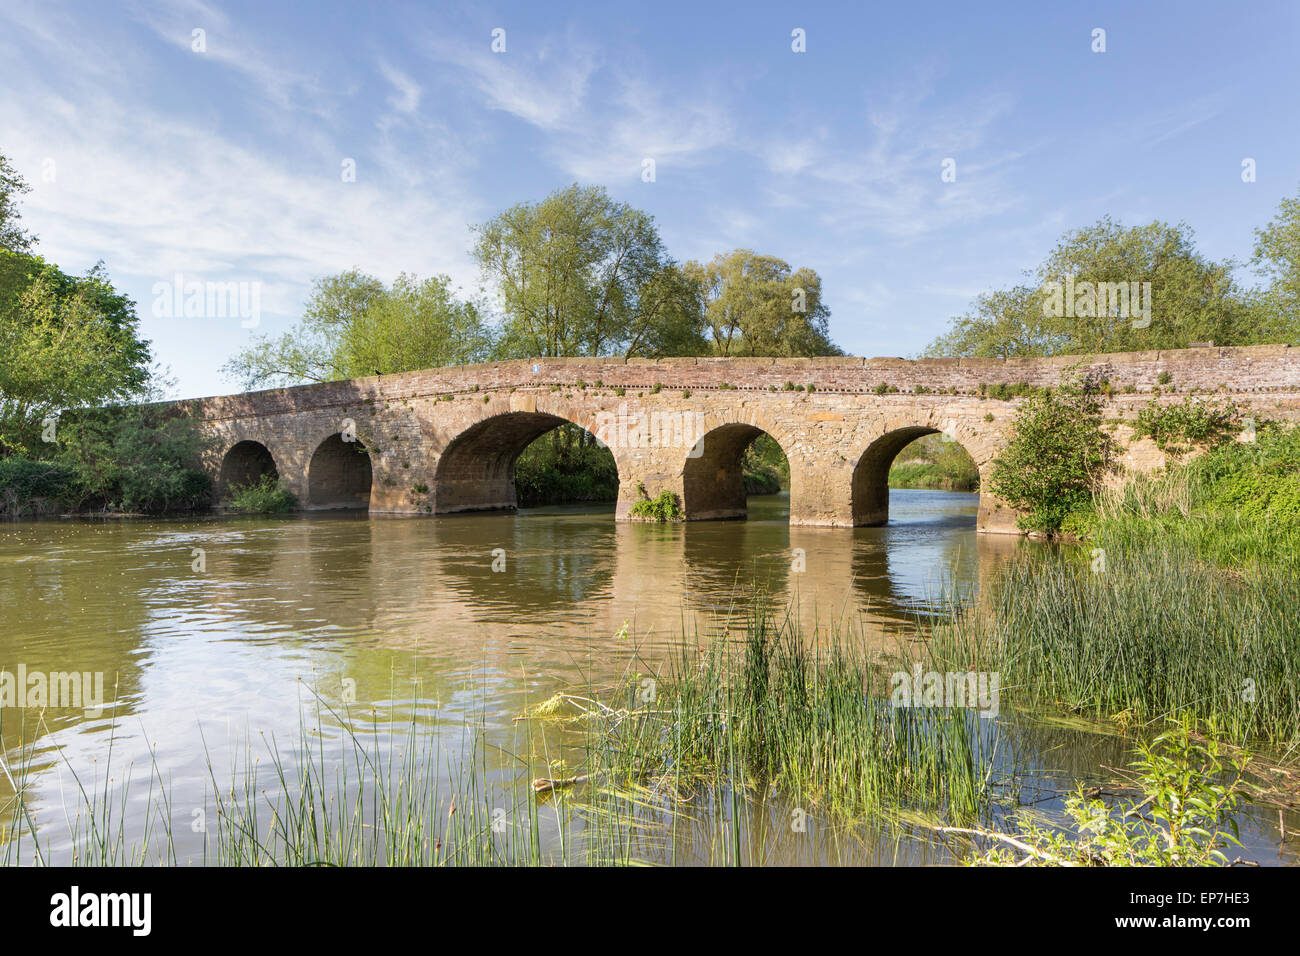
x=446, y=440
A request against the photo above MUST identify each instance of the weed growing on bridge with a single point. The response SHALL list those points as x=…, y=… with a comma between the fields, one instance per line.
x=665, y=507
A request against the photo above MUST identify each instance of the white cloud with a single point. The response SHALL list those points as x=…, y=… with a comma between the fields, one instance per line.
x=406, y=99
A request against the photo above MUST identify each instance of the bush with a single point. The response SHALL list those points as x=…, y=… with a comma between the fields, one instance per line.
x=666, y=507
x=1191, y=790
x=137, y=458
x=266, y=495
x=1177, y=428
x=1056, y=458
x=33, y=487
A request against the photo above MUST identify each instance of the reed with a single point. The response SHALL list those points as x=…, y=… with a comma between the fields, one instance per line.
x=1144, y=633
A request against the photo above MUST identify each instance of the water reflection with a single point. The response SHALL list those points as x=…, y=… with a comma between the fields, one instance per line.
x=217, y=632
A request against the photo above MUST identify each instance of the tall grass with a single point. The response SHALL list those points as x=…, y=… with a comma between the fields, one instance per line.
x=1140, y=632
x=780, y=713
x=1236, y=506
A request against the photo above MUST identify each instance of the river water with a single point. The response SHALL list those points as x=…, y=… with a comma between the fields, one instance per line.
x=214, y=635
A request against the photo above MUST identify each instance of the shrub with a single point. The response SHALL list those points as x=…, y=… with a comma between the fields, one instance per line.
x=33, y=487
x=1056, y=458
x=1177, y=428
x=264, y=496
x=666, y=507
x=1187, y=818
x=142, y=458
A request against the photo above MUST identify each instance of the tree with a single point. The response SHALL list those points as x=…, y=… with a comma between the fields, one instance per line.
x=13, y=237
x=354, y=326
x=758, y=306
x=581, y=274
x=1277, y=258
x=65, y=342
x=1056, y=458
x=1192, y=299
x=415, y=324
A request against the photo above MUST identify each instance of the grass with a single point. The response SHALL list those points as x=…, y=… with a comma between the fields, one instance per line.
x=1139, y=634
x=811, y=721
x=1237, y=507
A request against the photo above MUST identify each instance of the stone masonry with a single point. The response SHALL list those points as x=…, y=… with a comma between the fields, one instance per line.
x=446, y=440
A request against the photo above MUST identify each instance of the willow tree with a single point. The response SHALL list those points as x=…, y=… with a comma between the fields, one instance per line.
x=582, y=274
x=757, y=305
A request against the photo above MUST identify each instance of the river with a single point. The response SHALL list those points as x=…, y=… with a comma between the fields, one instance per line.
x=215, y=635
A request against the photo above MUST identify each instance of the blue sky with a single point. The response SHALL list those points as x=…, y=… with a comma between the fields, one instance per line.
x=225, y=165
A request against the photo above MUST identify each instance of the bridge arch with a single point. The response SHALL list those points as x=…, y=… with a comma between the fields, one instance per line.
x=339, y=474
x=869, y=493
x=243, y=463
x=713, y=481
x=476, y=469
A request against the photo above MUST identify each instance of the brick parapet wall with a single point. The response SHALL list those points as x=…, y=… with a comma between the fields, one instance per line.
x=1250, y=369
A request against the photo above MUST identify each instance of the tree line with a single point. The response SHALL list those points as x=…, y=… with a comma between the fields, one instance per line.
x=575, y=274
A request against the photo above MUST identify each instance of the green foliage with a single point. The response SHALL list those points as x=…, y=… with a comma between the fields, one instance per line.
x=1005, y=391
x=353, y=326
x=1193, y=299
x=13, y=237
x=564, y=466
x=1236, y=506
x=65, y=342
x=1276, y=257
x=33, y=487
x=764, y=468
x=786, y=714
x=1191, y=792
x=134, y=458
x=666, y=507
x=1139, y=628
x=1056, y=458
x=758, y=306
x=581, y=274
x=1176, y=429
x=266, y=495
x=931, y=462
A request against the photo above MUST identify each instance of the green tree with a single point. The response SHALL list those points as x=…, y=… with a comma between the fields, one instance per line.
x=758, y=306
x=1057, y=457
x=353, y=325
x=65, y=342
x=581, y=274
x=415, y=324
x=1277, y=258
x=13, y=237
x=1193, y=299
